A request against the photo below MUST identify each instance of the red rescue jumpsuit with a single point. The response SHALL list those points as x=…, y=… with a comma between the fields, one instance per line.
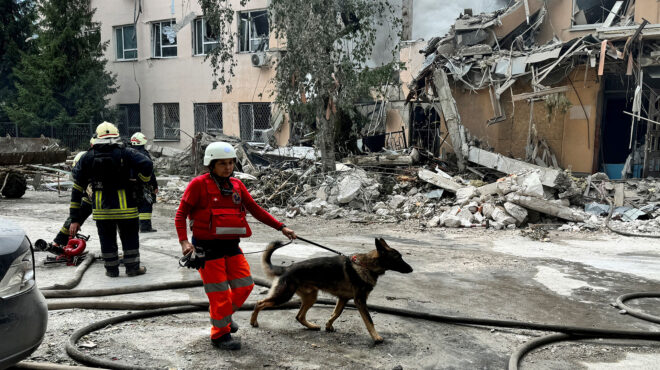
x=226, y=274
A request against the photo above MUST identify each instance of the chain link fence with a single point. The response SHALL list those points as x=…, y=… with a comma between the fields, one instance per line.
x=74, y=136
x=254, y=121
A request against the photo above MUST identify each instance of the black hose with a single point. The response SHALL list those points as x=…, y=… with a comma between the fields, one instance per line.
x=123, y=305
x=77, y=293
x=532, y=344
x=634, y=312
x=86, y=359
x=75, y=280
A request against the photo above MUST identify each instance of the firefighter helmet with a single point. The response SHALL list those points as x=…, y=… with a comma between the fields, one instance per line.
x=106, y=130
x=138, y=138
x=218, y=150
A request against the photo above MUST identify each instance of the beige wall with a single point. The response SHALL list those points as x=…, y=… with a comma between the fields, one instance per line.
x=569, y=135
x=558, y=22
x=185, y=79
x=647, y=9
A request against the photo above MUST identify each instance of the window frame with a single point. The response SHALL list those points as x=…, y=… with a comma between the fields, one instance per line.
x=159, y=135
x=202, y=22
x=124, y=50
x=253, y=129
x=206, y=107
x=586, y=26
x=155, y=38
x=250, y=38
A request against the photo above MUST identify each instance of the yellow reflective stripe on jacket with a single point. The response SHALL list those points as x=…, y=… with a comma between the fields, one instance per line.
x=121, y=195
x=98, y=199
x=86, y=200
x=144, y=178
x=145, y=216
x=115, y=211
x=114, y=217
x=74, y=205
x=78, y=187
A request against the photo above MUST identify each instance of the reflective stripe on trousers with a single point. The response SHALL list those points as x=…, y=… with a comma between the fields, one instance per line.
x=227, y=283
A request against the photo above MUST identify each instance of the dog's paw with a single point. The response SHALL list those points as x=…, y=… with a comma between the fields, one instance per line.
x=313, y=327
x=330, y=329
x=254, y=324
x=378, y=340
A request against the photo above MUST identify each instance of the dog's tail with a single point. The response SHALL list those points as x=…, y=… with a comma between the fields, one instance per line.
x=270, y=270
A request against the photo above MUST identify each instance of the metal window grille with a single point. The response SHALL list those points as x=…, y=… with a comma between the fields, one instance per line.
x=126, y=42
x=203, y=38
x=254, y=121
x=163, y=37
x=208, y=118
x=253, y=31
x=128, y=119
x=166, y=121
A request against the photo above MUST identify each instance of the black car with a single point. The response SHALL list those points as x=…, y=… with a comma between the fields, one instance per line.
x=23, y=310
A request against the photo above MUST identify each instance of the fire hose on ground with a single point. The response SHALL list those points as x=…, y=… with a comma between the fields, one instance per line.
x=153, y=309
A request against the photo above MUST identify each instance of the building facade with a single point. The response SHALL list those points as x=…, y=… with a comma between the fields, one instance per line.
x=157, y=50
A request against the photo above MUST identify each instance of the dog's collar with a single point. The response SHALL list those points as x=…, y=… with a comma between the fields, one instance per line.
x=356, y=261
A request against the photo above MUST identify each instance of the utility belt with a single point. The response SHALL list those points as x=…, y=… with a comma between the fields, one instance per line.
x=217, y=248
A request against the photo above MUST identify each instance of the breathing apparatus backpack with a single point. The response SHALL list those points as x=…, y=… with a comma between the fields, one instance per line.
x=108, y=172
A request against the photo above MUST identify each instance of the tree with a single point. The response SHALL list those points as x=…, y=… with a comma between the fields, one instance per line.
x=324, y=69
x=64, y=80
x=16, y=28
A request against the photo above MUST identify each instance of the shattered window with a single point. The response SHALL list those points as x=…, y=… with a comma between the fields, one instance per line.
x=592, y=12
x=166, y=121
x=204, y=38
x=126, y=42
x=254, y=121
x=163, y=37
x=208, y=118
x=253, y=31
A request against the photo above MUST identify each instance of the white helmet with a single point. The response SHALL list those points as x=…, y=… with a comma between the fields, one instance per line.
x=138, y=138
x=106, y=130
x=77, y=158
x=218, y=150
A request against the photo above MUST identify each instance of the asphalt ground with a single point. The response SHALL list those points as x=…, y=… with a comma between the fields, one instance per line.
x=570, y=280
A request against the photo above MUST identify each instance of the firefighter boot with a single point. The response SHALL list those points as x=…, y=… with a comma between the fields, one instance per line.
x=135, y=271
x=226, y=342
x=145, y=227
x=233, y=327
x=111, y=272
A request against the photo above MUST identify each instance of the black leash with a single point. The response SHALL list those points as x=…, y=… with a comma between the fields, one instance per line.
x=321, y=246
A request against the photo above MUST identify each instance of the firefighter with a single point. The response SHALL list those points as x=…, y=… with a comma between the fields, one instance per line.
x=85, y=209
x=108, y=167
x=148, y=198
x=216, y=203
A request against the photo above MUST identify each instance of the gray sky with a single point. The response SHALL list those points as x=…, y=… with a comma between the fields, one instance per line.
x=434, y=17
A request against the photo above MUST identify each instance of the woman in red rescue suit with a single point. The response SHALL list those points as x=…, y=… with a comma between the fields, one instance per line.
x=215, y=203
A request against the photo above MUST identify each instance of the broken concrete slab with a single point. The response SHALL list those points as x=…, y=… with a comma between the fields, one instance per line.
x=349, y=187
x=511, y=166
x=518, y=212
x=501, y=216
x=547, y=207
x=464, y=194
x=438, y=180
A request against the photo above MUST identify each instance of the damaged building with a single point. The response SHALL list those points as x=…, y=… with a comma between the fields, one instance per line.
x=560, y=84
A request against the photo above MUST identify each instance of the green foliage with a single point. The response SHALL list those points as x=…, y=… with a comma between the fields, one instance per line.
x=16, y=27
x=328, y=45
x=64, y=79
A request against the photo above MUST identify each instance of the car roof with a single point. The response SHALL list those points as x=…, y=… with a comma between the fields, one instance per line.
x=11, y=236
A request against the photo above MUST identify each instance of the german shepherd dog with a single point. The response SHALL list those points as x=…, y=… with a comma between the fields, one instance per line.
x=344, y=277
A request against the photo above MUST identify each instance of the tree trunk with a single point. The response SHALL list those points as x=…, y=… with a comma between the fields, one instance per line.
x=325, y=139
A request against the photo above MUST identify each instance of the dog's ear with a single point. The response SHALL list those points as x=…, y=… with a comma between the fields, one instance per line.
x=381, y=245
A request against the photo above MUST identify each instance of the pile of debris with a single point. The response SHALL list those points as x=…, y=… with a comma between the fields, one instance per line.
x=392, y=186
